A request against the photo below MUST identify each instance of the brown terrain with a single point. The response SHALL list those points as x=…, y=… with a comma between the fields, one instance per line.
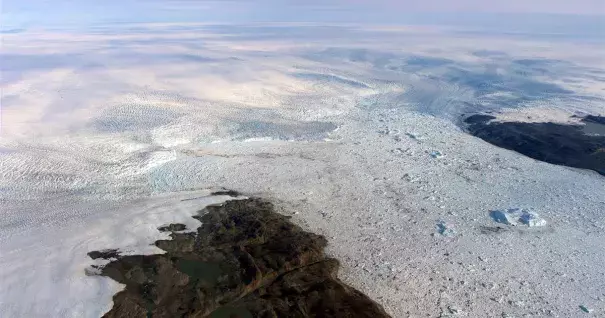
x=245, y=260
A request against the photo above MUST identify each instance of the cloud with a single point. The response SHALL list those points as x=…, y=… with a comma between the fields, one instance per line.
x=592, y=7
x=16, y=13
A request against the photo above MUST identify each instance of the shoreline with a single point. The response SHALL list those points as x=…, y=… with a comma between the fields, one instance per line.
x=245, y=260
x=379, y=207
x=579, y=145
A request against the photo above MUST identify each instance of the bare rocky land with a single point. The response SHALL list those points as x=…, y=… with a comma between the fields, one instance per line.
x=243, y=261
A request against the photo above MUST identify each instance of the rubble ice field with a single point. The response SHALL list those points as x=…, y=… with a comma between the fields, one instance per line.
x=111, y=132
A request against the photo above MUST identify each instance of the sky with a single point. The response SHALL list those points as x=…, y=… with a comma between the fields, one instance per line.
x=44, y=13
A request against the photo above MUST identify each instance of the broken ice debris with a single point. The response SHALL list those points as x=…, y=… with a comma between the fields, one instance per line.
x=531, y=218
x=508, y=217
x=410, y=178
x=413, y=136
x=453, y=310
x=516, y=216
x=436, y=154
x=445, y=229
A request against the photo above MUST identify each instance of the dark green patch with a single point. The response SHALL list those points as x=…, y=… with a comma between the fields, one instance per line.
x=208, y=272
x=231, y=312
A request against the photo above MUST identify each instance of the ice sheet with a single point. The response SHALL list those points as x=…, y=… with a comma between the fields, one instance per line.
x=102, y=131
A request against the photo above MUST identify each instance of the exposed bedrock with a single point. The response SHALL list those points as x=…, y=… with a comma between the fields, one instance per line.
x=579, y=146
x=244, y=261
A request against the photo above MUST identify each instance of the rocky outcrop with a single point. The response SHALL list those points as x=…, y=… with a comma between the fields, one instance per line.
x=580, y=146
x=244, y=261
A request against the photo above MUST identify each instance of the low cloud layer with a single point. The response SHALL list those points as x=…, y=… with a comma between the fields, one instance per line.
x=19, y=14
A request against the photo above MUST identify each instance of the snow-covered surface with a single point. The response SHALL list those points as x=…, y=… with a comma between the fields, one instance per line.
x=44, y=269
x=105, y=133
x=539, y=115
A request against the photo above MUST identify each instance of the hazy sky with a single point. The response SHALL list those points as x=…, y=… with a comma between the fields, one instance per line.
x=20, y=13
